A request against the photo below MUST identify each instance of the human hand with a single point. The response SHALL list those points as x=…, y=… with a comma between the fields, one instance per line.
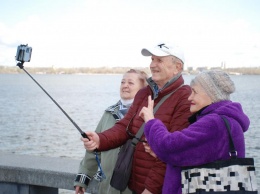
x=92, y=142
x=79, y=190
x=146, y=192
x=147, y=112
x=148, y=149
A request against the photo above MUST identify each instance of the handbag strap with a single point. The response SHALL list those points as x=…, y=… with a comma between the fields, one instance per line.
x=140, y=132
x=232, y=150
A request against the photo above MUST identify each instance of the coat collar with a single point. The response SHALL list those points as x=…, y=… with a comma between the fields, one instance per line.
x=154, y=86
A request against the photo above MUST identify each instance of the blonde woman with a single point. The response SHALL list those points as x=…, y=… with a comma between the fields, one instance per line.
x=132, y=81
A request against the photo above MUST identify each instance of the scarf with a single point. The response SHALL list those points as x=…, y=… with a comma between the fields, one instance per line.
x=119, y=109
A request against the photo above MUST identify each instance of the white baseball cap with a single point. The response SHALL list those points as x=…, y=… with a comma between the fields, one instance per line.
x=164, y=49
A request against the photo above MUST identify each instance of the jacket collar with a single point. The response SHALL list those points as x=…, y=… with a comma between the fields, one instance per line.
x=193, y=118
x=206, y=110
x=118, y=110
x=154, y=87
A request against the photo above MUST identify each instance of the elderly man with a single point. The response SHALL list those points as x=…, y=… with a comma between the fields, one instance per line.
x=166, y=67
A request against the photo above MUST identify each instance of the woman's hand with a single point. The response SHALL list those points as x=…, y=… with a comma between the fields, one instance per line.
x=93, y=142
x=146, y=192
x=79, y=190
x=148, y=149
x=147, y=112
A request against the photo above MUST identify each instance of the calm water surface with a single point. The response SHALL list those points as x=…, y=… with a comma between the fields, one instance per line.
x=30, y=123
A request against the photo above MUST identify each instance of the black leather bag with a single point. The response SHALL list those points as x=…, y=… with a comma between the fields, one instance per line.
x=123, y=167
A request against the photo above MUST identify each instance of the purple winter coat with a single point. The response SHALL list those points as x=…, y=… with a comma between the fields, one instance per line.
x=204, y=141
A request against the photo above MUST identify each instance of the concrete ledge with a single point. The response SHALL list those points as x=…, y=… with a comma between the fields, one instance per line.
x=14, y=188
x=36, y=170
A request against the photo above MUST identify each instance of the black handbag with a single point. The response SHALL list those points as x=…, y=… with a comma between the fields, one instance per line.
x=123, y=167
x=235, y=175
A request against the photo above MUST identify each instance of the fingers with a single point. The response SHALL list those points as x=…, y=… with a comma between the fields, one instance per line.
x=79, y=190
x=146, y=113
x=89, y=145
x=150, y=103
x=141, y=113
x=92, y=143
x=146, y=192
x=148, y=149
x=90, y=134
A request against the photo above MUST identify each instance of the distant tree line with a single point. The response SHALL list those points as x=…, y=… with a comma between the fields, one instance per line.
x=80, y=70
x=111, y=70
x=245, y=71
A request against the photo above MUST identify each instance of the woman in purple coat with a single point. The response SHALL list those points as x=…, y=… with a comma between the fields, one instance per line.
x=206, y=139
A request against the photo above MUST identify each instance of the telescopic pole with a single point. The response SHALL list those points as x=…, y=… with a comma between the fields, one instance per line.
x=20, y=64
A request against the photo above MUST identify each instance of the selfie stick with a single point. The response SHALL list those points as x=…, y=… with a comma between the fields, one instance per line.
x=20, y=64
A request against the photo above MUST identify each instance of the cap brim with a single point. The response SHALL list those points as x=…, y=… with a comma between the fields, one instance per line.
x=154, y=51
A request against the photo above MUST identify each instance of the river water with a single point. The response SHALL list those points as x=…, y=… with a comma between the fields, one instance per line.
x=31, y=124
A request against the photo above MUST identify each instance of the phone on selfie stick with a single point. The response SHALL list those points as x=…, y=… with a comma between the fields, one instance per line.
x=23, y=54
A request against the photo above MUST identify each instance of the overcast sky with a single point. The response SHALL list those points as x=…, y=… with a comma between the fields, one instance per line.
x=97, y=33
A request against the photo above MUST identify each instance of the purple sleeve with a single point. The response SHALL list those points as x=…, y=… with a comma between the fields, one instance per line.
x=200, y=143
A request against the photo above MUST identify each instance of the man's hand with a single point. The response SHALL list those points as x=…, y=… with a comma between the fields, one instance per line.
x=93, y=142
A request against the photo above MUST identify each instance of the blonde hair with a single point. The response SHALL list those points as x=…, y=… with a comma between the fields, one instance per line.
x=141, y=74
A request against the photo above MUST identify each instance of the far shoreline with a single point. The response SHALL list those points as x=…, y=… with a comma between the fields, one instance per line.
x=117, y=70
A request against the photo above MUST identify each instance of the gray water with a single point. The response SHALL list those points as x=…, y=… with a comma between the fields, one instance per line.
x=31, y=124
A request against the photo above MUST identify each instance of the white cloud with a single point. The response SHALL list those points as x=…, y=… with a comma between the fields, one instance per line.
x=102, y=33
